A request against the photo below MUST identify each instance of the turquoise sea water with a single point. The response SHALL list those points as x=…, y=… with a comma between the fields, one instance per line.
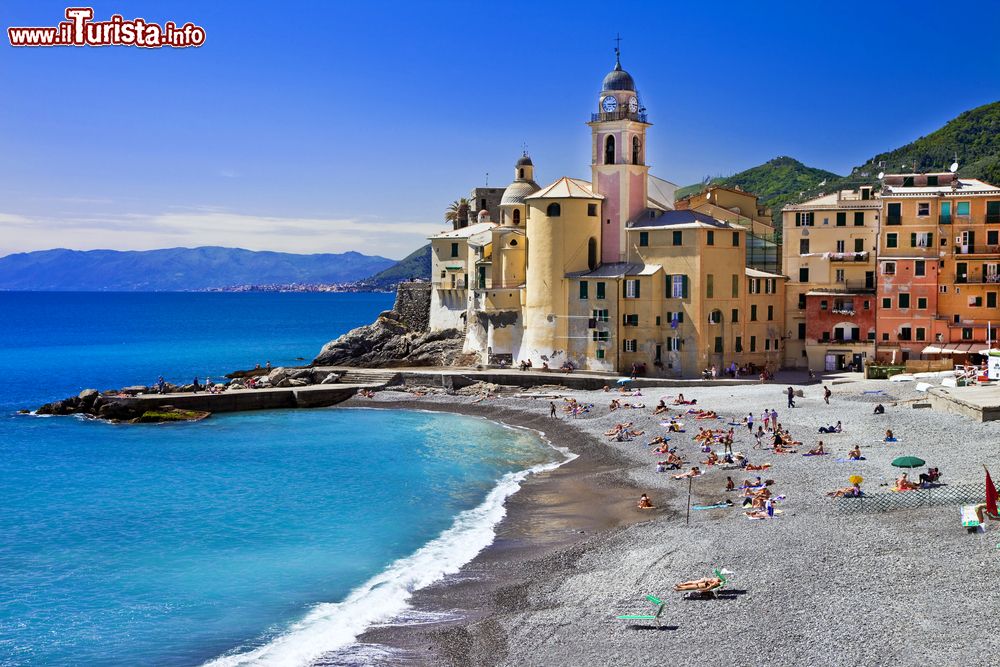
x=256, y=538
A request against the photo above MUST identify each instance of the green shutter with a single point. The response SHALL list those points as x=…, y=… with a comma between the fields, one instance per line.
x=841, y=218
x=684, y=287
x=583, y=289
x=913, y=240
x=637, y=284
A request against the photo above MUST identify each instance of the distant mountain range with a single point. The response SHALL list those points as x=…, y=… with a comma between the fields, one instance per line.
x=178, y=269
x=974, y=136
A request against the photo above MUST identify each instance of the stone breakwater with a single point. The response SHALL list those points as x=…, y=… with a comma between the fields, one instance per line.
x=193, y=403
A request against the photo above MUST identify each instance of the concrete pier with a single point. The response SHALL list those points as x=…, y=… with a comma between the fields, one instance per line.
x=313, y=396
x=981, y=403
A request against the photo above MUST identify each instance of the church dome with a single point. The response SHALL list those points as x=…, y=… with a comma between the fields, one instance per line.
x=517, y=191
x=618, y=79
x=525, y=161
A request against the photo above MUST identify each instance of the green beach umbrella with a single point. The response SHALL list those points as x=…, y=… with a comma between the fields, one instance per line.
x=908, y=462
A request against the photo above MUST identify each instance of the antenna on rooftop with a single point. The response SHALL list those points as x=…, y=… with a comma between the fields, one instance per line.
x=881, y=175
x=954, y=165
x=487, y=179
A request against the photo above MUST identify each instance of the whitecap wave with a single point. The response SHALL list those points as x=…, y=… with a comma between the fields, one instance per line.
x=333, y=625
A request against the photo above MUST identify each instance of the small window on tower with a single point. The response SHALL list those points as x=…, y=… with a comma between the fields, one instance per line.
x=517, y=216
x=609, y=150
x=553, y=210
x=592, y=210
x=635, y=150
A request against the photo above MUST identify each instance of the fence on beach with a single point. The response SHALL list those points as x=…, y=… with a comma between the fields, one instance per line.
x=944, y=494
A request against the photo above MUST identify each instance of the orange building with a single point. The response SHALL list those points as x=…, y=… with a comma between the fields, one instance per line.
x=938, y=261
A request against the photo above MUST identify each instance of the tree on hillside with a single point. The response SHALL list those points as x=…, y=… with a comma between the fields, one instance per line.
x=457, y=213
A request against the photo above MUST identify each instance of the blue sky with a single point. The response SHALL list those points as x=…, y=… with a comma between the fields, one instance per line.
x=326, y=126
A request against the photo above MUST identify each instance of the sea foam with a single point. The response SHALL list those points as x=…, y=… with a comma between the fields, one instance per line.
x=333, y=625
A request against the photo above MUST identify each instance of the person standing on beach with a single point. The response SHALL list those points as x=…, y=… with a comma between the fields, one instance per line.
x=750, y=422
x=552, y=409
x=791, y=397
x=826, y=394
x=774, y=419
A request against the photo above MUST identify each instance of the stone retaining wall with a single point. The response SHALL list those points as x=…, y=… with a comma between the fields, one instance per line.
x=413, y=305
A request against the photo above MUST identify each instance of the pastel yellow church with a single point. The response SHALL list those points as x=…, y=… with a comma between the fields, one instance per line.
x=610, y=274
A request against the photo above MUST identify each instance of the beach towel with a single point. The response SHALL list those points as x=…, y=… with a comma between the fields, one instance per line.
x=710, y=507
x=811, y=454
x=762, y=518
x=843, y=460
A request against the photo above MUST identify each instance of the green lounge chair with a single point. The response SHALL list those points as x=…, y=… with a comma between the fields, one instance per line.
x=647, y=617
x=714, y=590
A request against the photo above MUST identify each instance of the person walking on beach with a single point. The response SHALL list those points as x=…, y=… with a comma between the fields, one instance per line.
x=791, y=397
x=194, y=384
x=750, y=422
x=552, y=409
x=774, y=419
x=826, y=394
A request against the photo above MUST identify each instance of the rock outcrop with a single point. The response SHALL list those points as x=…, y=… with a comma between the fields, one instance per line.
x=390, y=342
x=91, y=403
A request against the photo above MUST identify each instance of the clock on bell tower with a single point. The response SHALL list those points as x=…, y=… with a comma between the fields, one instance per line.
x=618, y=158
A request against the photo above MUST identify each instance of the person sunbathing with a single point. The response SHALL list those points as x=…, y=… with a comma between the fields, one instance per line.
x=703, y=585
x=982, y=514
x=675, y=426
x=645, y=503
x=706, y=414
x=879, y=409
x=730, y=484
x=855, y=454
x=762, y=466
x=658, y=440
x=693, y=472
x=713, y=458
x=661, y=407
x=903, y=483
x=817, y=450
x=614, y=404
x=846, y=492
x=618, y=428
x=889, y=437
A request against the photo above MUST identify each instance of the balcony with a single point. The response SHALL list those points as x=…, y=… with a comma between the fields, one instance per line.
x=620, y=114
x=859, y=256
x=976, y=249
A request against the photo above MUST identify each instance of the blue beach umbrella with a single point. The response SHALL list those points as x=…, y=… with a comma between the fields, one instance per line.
x=624, y=380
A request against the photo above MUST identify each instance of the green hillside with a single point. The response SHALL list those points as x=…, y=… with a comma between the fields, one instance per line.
x=415, y=265
x=974, y=136
x=776, y=182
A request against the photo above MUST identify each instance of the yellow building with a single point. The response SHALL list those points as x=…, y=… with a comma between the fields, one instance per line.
x=604, y=275
x=828, y=254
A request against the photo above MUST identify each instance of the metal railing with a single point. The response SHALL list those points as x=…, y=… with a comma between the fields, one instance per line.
x=620, y=114
x=933, y=496
x=962, y=249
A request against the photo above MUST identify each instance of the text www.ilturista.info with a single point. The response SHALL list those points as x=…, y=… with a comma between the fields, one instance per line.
x=81, y=30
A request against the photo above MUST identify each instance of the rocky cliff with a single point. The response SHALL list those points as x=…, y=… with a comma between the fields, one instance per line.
x=399, y=337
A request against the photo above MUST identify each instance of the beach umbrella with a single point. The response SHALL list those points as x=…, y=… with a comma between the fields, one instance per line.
x=908, y=462
x=624, y=380
x=855, y=479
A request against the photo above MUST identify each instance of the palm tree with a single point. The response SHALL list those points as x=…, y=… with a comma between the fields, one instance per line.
x=457, y=213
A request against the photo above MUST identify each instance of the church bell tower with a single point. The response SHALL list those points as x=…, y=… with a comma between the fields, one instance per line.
x=618, y=158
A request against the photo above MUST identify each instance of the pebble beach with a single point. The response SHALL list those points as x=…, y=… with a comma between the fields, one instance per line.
x=814, y=585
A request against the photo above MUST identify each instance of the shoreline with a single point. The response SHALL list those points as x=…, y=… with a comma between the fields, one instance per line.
x=818, y=584
x=549, y=524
